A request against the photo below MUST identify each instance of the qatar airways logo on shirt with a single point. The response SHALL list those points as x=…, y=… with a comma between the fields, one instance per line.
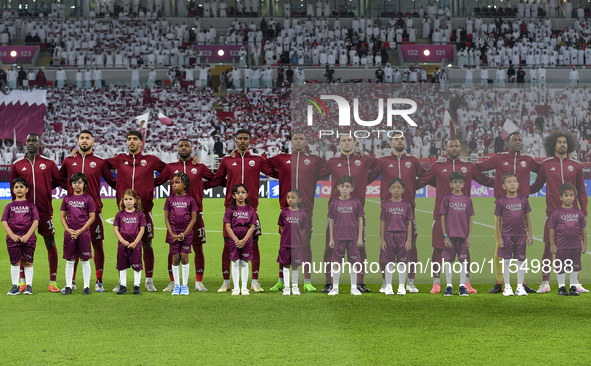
x=180, y=204
x=129, y=220
x=514, y=207
x=240, y=214
x=396, y=210
x=570, y=217
x=457, y=206
x=20, y=209
x=345, y=113
x=292, y=219
x=77, y=204
x=345, y=209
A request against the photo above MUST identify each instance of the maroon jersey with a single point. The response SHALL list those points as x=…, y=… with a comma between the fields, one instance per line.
x=397, y=215
x=180, y=208
x=244, y=168
x=20, y=216
x=568, y=223
x=293, y=222
x=129, y=224
x=555, y=172
x=408, y=168
x=345, y=214
x=438, y=176
x=94, y=168
x=197, y=174
x=510, y=162
x=43, y=176
x=357, y=167
x=136, y=172
x=240, y=219
x=300, y=171
x=513, y=211
x=78, y=209
x=457, y=210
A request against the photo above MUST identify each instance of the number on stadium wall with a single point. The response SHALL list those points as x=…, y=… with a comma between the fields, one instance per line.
x=234, y=53
x=26, y=54
x=440, y=52
x=2, y=54
x=413, y=52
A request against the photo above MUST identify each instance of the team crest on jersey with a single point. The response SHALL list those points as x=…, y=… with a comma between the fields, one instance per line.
x=357, y=162
x=251, y=163
x=143, y=162
x=408, y=164
x=570, y=168
x=194, y=171
x=93, y=164
x=523, y=164
x=307, y=161
x=42, y=166
x=464, y=170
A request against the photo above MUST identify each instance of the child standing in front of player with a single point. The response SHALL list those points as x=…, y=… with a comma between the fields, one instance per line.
x=292, y=221
x=567, y=229
x=396, y=233
x=20, y=219
x=129, y=223
x=456, y=223
x=77, y=214
x=514, y=231
x=345, y=216
x=180, y=214
x=239, y=220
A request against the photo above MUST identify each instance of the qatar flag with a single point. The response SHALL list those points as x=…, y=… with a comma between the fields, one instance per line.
x=21, y=113
x=165, y=120
x=508, y=128
x=142, y=121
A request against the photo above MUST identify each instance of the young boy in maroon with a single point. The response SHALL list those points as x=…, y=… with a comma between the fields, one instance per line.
x=512, y=217
x=345, y=224
x=456, y=223
x=292, y=220
x=567, y=227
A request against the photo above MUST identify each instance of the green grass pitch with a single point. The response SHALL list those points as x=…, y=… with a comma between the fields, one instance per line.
x=268, y=328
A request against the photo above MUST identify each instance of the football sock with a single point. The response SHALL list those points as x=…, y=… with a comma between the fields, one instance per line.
x=448, y=275
x=148, y=260
x=75, y=270
x=199, y=262
x=388, y=274
x=436, y=258
x=235, y=274
x=547, y=255
x=335, y=277
x=227, y=282
x=99, y=260
x=327, y=255
x=69, y=273
x=137, y=277
x=401, y=275
x=412, y=258
x=186, y=271
x=354, y=273
x=507, y=273
x=226, y=262
x=286, y=275
x=170, y=267
x=256, y=260
x=123, y=277
x=307, y=258
x=520, y=273
x=281, y=273
x=29, y=275
x=294, y=276
x=360, y=272
x=574, y=278
x=463, y=274
x=52, y=257
x=86, y=273
x=22, y=273
x=411, y=281
x=561, y=279
x=244, y=270
x=175, y=275
x=14, y=274
x=467, y=266
x=254, y=281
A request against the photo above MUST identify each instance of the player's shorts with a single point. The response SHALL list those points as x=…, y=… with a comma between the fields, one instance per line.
x=573, y=254
x=149, y=232
x=244, y=254
x=437, y=234
x=257, y=229
x=395, y=251
x=458, y=249
x=177, y=247
x=46, y=227
x=77, y=248
x=199, y=230
x=340, y=246
x=18, y=252
x=546, y=230
x=514, y=247
x=328, y=232
x=129, y=257
x=290, y=256
x=97, y=230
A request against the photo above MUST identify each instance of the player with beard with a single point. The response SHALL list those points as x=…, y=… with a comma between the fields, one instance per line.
x=555, y=171
x=200, y=178
x=357, y=167
x=43, y=176
x=409, y=169
x=136, y=171
x=243, y=168
x=438, y=176
x=522, y=166
x=299, y=170
x=94, y=168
